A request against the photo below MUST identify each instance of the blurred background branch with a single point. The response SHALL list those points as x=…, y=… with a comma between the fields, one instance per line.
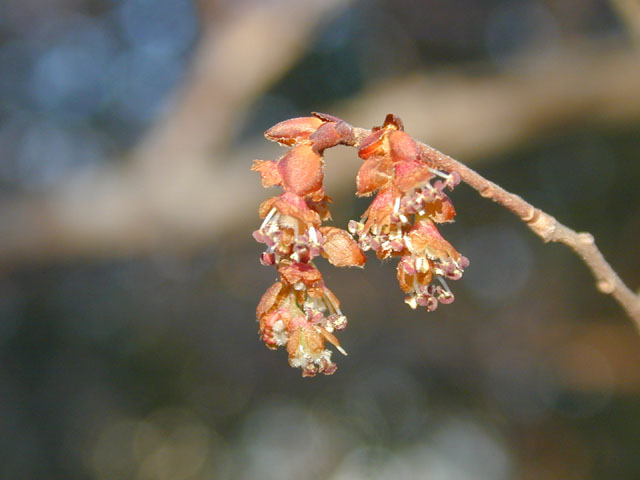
x=173, y=193
x=129, y=277
x=219, y=88
x=629, y=11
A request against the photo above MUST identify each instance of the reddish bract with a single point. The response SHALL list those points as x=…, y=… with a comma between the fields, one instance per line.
x=301, y=170
x=375, y=173
x=341, y=249
x=268, y=172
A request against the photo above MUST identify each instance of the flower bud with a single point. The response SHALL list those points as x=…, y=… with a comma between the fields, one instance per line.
x=293, y=131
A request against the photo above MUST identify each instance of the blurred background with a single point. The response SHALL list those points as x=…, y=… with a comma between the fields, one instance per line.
x=129, y=278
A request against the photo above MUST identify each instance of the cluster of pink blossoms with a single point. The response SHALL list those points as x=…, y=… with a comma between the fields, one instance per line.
x=299, y=311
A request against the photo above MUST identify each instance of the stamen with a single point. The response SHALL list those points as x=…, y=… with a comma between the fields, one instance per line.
x=268, y=217
x=342, y=350
x=333, y=308
x=312, y=234
x=444, y=284
x=416, y=287
x=407, y=242
x=439, y=173
x=396, y=206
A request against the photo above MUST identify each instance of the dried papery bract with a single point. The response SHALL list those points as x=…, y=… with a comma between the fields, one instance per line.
x=299, y=311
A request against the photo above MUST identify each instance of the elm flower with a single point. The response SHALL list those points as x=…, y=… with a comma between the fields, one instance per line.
x=299, y=312
x=401, y=219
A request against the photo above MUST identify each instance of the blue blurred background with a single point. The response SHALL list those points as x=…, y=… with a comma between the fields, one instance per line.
x=129, y=278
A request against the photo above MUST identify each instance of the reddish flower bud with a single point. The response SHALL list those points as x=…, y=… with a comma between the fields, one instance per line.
x=293, y=131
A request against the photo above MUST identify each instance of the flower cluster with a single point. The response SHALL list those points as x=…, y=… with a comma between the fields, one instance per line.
x=401, y=220
x=299, y=311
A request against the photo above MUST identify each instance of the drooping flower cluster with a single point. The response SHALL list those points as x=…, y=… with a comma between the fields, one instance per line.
x=299, y=311
x=401, y=220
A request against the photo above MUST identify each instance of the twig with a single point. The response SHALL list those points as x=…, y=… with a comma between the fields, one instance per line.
x=541, y=223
